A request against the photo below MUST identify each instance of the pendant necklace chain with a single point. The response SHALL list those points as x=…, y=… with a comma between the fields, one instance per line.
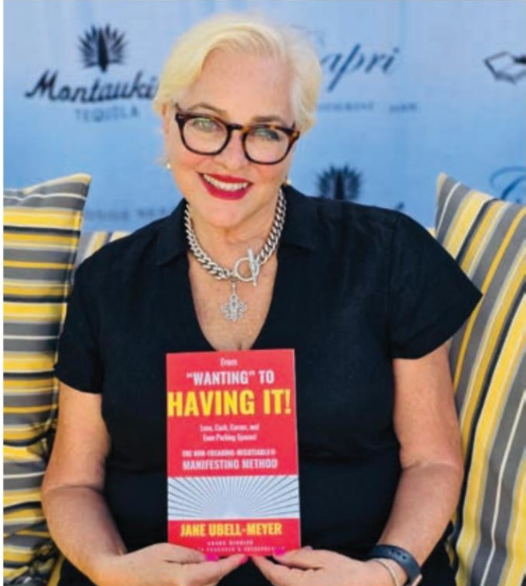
x=234, y=309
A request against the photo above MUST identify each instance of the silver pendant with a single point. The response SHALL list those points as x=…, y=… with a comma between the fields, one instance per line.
x=235, y=308
x=253, y=267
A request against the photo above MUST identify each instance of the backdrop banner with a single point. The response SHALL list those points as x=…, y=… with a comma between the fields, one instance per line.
x=410, y=89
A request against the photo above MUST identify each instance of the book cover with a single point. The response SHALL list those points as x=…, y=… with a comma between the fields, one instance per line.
x=232, y=451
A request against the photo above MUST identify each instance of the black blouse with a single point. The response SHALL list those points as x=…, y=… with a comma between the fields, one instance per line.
x=356, y=286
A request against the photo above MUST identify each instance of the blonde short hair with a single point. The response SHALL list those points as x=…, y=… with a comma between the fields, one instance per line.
x=244, y=32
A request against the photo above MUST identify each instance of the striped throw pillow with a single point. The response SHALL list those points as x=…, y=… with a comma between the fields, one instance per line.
x=487, y=237
x=41, y=235
x=90, y=242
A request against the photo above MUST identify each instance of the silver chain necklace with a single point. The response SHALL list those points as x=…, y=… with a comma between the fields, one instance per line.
x=235, y=307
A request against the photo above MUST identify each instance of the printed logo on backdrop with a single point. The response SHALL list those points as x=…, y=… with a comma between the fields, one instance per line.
x=343, y=184
x=355, y=60
x=109, y=91
x=339, y=183
x=510, y=184
x=102, y=47
x=507, y=67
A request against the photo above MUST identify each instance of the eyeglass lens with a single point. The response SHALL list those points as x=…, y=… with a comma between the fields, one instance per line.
x=262, y=143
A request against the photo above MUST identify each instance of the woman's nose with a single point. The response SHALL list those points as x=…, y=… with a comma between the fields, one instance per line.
x=233, y=155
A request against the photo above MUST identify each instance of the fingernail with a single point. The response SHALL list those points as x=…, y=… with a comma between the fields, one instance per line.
x=210, y=557
x=307, y=547
x=244, y=560
x=279, y=551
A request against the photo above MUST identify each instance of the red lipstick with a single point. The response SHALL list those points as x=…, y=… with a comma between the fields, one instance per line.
x=215, y=191
x=228, y=178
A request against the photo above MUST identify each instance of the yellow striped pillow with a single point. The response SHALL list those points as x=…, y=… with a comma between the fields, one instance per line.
x=90, y=242
x=487, y=237
x=41, y=235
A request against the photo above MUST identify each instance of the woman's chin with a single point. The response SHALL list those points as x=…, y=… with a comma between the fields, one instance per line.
x=220, y=219
x=248, y=214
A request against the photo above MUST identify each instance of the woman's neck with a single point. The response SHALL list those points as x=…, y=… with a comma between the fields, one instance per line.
x=227, y=245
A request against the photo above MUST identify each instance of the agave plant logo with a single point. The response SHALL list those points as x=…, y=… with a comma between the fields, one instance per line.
x=101, y=47
x=341, y=183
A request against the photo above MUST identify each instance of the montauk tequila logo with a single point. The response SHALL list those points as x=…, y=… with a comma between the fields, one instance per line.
x=101, y=47
x=95, y=97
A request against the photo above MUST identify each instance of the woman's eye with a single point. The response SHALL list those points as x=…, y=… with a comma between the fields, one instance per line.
x=266, y=134
x=205, y=124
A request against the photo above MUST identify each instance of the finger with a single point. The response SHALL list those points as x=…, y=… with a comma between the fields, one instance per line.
x=306, y=558
x=276, y=574
x=181, y=555
x=214, y=571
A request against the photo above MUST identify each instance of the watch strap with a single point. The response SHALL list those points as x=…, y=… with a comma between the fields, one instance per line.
x=402, y=557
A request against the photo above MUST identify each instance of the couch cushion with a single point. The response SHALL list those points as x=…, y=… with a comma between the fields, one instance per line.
x=41, y=235
x=487, y=237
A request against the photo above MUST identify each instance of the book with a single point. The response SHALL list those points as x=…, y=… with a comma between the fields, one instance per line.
x=233, y=483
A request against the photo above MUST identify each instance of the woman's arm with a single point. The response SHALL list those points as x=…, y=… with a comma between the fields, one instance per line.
x=75, y=509
x=432, y=470
x=432, y=466
x=80, y=521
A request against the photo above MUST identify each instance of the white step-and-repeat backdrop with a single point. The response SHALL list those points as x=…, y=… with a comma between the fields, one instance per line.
x=410, y=88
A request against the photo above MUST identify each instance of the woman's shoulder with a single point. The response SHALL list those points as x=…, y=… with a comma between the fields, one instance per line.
x=348, y=219
x=347, y=211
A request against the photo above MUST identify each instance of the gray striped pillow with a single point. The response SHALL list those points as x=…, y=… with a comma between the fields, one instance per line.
x=41, y=235
x=487, y=237
x=90, y=242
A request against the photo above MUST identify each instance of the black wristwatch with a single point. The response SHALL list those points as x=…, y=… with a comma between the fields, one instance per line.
x=402, y=557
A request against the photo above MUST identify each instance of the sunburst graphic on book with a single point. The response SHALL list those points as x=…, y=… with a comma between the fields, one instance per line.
x=233, y=497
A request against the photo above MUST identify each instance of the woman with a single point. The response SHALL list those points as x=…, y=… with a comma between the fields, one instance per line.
x=364, y=296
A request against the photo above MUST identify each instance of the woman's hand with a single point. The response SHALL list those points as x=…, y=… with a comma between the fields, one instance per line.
x=309, y=567
x=165, y=564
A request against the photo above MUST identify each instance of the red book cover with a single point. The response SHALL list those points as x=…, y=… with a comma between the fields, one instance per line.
x=232, y=451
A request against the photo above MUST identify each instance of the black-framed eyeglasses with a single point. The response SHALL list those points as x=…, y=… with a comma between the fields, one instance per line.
x=264, y=144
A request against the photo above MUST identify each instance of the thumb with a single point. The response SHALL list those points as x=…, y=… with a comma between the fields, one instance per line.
x=214, y=571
